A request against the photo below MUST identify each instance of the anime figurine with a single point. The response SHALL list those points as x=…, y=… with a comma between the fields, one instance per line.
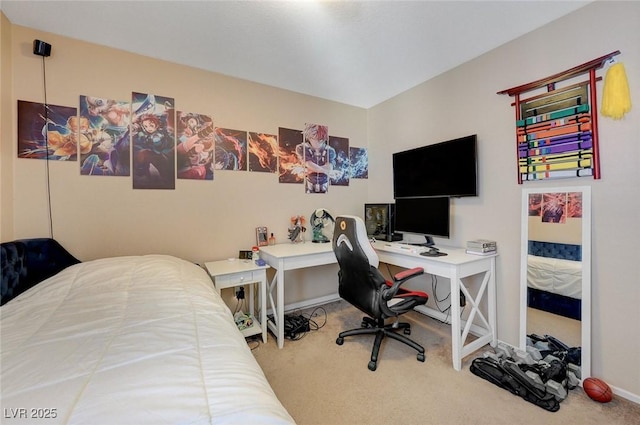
x=322, y=224
x=296, y=229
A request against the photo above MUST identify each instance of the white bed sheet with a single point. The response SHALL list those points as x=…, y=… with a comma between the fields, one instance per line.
x=558, y=276
x=130, y=340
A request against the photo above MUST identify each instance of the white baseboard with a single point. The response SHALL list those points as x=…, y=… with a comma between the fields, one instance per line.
x=625, y=394
x=326, y=299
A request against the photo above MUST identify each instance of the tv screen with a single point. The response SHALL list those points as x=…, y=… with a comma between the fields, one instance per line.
x=423, y=216
x=443, y=169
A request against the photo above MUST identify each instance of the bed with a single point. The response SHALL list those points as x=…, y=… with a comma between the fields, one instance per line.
x=554, y=278
x=129, y=340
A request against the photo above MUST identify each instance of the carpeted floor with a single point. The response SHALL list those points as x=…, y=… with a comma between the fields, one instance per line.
x=320, y=382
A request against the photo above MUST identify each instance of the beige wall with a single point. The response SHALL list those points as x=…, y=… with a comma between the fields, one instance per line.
x=464, y=101
x=96, y=217
x=6, y=158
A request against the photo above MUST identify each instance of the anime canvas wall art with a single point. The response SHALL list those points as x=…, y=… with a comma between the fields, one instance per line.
x=574, y=205
x=554, y=207
x=195, y=146
x=231, y=149
x=342, y=167
x=49, y=131
x=359, y=158
x=263, y=152
x=153, y=141
x=290, y=168
x=108, y=133
x=317, y=156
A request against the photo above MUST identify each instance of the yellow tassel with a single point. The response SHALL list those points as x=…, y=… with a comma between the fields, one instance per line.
x=616, y=97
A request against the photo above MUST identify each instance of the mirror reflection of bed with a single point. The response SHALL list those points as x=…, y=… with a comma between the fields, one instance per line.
x=555, y=275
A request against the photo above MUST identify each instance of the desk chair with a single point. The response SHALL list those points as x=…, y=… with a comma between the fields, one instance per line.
x=362, y=285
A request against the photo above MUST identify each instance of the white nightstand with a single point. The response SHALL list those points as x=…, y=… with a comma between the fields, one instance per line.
x=236, y=272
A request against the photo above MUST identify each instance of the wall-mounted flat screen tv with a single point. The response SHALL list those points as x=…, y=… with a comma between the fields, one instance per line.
x=442, y=169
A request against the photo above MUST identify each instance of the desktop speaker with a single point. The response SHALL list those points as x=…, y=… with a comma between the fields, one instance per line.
x=41, y=48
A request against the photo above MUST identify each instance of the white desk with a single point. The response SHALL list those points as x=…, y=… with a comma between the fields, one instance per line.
x=228, y=274
x=455, y=266
x=290, y=256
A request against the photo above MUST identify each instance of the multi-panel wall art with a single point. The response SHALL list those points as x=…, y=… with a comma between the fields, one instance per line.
x=148, y=139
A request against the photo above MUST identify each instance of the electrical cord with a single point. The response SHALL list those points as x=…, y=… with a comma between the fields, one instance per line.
x=447, y=310
x=46, y=144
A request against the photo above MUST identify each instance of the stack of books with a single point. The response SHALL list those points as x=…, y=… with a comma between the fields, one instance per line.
x=482, y=247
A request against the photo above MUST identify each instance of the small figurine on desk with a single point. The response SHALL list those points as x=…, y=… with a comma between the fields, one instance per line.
x=322, y=223
x=296, y=229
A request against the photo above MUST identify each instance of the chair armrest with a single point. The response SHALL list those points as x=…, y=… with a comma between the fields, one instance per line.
x=407, y=274
x=398, y=280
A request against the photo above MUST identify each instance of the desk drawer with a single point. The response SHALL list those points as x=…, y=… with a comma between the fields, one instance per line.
x=236, y=279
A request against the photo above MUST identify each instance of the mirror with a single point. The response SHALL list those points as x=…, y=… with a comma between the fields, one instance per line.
x=555, y=267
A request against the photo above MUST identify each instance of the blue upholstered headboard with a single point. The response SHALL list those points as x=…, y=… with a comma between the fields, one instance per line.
x=27, y=262
x=562, y=251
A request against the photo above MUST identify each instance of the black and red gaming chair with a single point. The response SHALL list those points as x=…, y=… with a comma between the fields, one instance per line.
x=362, y=285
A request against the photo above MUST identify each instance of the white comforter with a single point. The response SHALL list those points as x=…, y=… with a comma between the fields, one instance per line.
x=562, y=277
x=129, y=340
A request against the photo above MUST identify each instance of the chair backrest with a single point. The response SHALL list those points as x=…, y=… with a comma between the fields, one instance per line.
x=359, y=281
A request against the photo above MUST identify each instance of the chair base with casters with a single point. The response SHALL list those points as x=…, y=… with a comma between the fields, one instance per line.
x=370, y=326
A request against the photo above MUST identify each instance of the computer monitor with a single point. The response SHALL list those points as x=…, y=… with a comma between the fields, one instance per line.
x=379, y=221
x=423, y=216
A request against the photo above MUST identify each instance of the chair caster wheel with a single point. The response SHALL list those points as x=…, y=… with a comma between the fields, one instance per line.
x=407, y=331
x=373, y=366
x=340, y=341
x=364, y=325
x=421, y=357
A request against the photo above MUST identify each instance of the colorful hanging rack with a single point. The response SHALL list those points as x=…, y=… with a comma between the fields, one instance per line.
x=557, y=131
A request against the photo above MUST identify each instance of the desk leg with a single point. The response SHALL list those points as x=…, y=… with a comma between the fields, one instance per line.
x=280, y=303
x=491, y=304
x=263, y=305
x=277, y=306
x=456, y=344
x=486, y=329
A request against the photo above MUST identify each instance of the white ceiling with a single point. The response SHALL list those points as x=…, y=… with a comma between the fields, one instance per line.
x=355, y=52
